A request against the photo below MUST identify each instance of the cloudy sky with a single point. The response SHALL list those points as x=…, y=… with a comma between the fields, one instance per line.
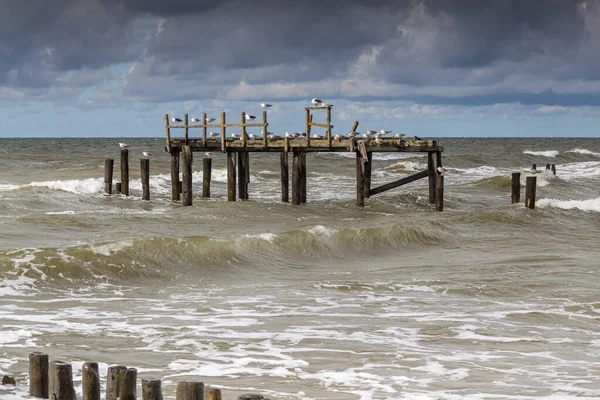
x=426, y=67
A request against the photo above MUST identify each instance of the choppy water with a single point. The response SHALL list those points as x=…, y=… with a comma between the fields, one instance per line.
x=320, y=301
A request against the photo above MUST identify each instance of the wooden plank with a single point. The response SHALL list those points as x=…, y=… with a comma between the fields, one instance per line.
x=329, y=126
x=399, y=182
x=354, y=127
x=439, y=193
x=38, y=374
x=308, y=121
x=318, y=108
x=212, y=126
x=90, y=381
x=326, y=126
x=303, y=177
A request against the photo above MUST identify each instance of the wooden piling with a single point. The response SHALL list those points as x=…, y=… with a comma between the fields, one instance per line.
x=214, y=394
x=553, y=169
x=90, y=381
x=223, y=132
x=151, y=389
x=38, y=375
x=108, y=175
x=265, y=129
x=118, y=187
x=547, y=167
x=243, y=176
x=251, y=396
x=187, y=130
x=60, y=381
x=432, y=176
x=303, y=177
x=534, y=167
x=360, y=180
x=203, y=130
x=8, y=380
x=125, y=172
x=244, y=133
x=206, y=176
x=175, y=185
x=296, y=180
x=285, y=178
x=145, y=177
x=515, y=195
x=530, y=186
x=186, y=182
x=231, y=176
x=367, y=174
x=121, y=383
x=439, y=193
x=190, y=391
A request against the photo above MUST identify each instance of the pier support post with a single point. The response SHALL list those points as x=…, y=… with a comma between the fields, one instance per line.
x=303, y=177
x=90, y=381
x=533, y=168
x=61, y=381
x=231, y=176
x=547, y=167
x=108, y=176
x=38, y=375
x=285, y=178
x=214, y=394
x=515, y=195
x=190, y=390
x=367, y=174
x=243, y=174
x=296, y=179
x=432, y=173
x=121, y=383
x=553, y=169
x=118, y=187
x=206, y=176
x=125, y=172
x=530, y=185
x=439, y=193
x=145, y=176
x=360, y=179
x=175, y=183
x=151, y=389
x=186, y=182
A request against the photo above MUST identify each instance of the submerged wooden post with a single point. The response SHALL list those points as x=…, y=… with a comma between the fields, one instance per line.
x=285, y=178
x=90, y=381
x=108, y=175
x=38, y=375
x=121, y=383
x=303, y=177
x=145, y=176
x=553, y=169
x=118, y=187
x=190, y=391
x=214, y=394
x=432, y=173
x=360, y=180
x=515, y=195
x=151, y=389
x=439, y=193
x=547, y=167
x=125, y=172
x=231, y=175
x=296, y=180
x=206, y=176
x=243, y=174
x=530, y=184
x=367, y=174
x=533, y=168
x=186, y=182
x=175, y=185
x=60, y=381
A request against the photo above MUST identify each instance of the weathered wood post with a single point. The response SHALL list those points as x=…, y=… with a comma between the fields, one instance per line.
x=515, y=195
x=121, y=383
x=360, y=180
x=439, y=193
x=145, y=176
x=530, y=184
x=296, y=179
x=251, y=396
x=432, y=173
x=553, y=169
x=90, y=381
x=60, y=381
x=8, y=380
x=231, y=176
x=243, y=175
x=187, y=129
x=204, y=129
x=38, y=375
x=125, y=172
x=547, y=167
x=175, y=185
x=533, y=168
x=190, y=391
x=214, y=394
x=265, y=128
x=285, y=177
x=303, y=177
x=118, y=187
x=186, y=182
x=206, y=176
x=108, y=175
x=367, y=174
x=151, y=389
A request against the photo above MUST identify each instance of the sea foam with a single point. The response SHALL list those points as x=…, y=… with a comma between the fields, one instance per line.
x=546, y=153
x=584, y=205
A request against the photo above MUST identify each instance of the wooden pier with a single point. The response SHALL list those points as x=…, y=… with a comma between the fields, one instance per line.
x=238, y=146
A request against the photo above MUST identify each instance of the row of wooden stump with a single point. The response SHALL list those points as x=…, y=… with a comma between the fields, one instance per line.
x=54, y=380
x=530, y=186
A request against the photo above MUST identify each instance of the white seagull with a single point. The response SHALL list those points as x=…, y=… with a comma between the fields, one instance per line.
x=176, y=120
x=351, y=134
x=316, y=102
x=208, y=154
x=213, y=134
x=147, y=154
x=338, y=137
x=371, y=132
x=384, y=132
x=250, y=117
x=251, y=136
x=317, y=136
x=400, y=135
x=209, y=119
x=266, y=105
x=441, y=170
x=235, y=135
x=195, y=120
x=123, y=145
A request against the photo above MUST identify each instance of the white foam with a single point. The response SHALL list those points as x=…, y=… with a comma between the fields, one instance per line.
x=320, y=230
x=4, y=187
x=111, y=248
x=90, y=186
x=584, y=205
x=542, y=153
x=584, y=151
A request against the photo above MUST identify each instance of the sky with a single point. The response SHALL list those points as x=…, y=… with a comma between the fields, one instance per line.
x=432, y=68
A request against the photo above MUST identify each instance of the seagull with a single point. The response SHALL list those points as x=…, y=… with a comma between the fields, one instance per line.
x=175, y=119
x=208, y=154
x=213, y=134
x=147, y=154
x=415, y=137
x=272, y=136
x=351, y=134
x=441, y=170
x=123, y=145
x=250, y=117
x=384, y=132
x=195, y=119
x=316, y=101
x=338, y=137
x=371, y=132
x=400, y=135
x=266, y=105
x=235, y=135
x=251, y=136
x=317, y=136
x=209, y=119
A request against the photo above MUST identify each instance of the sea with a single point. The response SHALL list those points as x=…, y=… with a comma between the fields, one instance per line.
x=326, y=300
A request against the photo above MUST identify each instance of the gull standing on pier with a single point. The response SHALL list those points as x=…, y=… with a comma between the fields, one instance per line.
x=441, y=170
x=123, y=146
x=176, y=120
x=400, y=135
x=266, y=105
x=194, y=120
x=316, y=102
x=250, y=117
x=209, y=120
x=213, y=134
x=147, y=154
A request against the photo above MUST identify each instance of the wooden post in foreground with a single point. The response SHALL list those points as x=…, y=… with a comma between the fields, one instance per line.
x=214, y=394
x=60, y=381
x=187, y=176
x=547, y=167
x=432, y=173
x=296, y=180
x=303, y=177
x=367, y=174
x=243, y=174
x=515, y=195
x=530, y=184
x=190, y=390
x=439, y=193
x=145, y=176
x=118, y=187
x=108, y=176
x=151, y=389
x=175, y=186
x=121, y=383
x=125, y=172
x=360, y=180
x=285, y=178
x=206, y=174
x=553, y=169
x=231, y=176
x=38, y=375
x=90, y=381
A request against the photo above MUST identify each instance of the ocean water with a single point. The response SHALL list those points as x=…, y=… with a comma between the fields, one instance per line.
x=486, y=300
